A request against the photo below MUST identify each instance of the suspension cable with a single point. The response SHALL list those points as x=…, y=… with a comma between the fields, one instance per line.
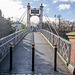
x=48, y=24
x=22, y=17
x=52, y=25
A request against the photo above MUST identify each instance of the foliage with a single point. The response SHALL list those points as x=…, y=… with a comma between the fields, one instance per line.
x=13, y=29
x=22, y=26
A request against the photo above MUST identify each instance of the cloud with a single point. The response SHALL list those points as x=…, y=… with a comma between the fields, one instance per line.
x=64, y=0
x=48, y=9
x=11, y=8
x=35, y=0
x=31, y=2
x=69, y=12
x=67, y=0
x=72, y=0
x=49, y=18
x=55, y=1
x=63, y=6
x=35, y=19
x=15, y=0
x=44, y=0
x=15, y=9
x=45, y=5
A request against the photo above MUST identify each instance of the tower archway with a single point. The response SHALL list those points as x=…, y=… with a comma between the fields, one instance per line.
x=34, y=20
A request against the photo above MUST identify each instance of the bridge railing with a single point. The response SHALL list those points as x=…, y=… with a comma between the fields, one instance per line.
x=14, y=38
x=64, y=46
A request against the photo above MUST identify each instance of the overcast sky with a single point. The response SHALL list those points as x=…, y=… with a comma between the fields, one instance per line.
x=15, y=8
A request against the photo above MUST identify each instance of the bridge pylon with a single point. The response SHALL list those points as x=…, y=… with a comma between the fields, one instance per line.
x=35, y=12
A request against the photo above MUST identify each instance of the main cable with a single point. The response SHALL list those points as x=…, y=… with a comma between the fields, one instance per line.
x=22, y=17
x=48, y=24
x=52, y=25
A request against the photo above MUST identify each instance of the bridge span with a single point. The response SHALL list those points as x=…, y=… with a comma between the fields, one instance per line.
x=44, y=58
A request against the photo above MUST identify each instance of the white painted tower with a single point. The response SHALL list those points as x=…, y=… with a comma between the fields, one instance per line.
x=34, y=12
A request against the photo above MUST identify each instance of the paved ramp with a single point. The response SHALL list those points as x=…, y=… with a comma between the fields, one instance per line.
x=44, y=59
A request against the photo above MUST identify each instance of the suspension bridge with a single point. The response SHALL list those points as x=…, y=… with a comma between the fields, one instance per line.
x=26, y=52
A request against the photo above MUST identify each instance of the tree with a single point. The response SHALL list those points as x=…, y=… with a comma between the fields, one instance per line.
x=22, y=26
x=13, y=29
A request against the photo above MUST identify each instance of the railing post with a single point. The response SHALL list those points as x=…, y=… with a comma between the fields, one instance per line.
x=33, y=54
x=59, y=45
x=53, y=39
x=74, y=72
x=50, y=36
x=55, y=57
x=69, y=54
x=11, y=47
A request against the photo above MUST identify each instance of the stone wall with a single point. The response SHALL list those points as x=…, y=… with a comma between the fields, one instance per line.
x=71, y=37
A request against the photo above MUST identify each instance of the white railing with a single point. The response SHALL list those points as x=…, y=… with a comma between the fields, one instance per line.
x=64, y=46
x=14, y=38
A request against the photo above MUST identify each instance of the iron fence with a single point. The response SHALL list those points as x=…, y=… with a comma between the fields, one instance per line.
x=64, y=46
x=14, y=38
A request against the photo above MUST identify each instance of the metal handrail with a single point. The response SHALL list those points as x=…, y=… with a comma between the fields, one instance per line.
x=14, y=38
x=64, y=46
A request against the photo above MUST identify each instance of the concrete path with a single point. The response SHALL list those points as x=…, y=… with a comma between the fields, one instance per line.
x=22, y=59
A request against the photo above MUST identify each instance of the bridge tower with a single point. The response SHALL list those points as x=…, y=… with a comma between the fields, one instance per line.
x=35, y=12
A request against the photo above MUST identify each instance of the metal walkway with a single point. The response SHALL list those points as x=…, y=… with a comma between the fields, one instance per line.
x=44, y=59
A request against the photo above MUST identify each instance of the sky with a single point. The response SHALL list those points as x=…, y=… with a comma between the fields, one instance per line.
x=15, y=8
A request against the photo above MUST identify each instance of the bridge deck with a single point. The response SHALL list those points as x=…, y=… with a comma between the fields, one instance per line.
x=44, y=58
